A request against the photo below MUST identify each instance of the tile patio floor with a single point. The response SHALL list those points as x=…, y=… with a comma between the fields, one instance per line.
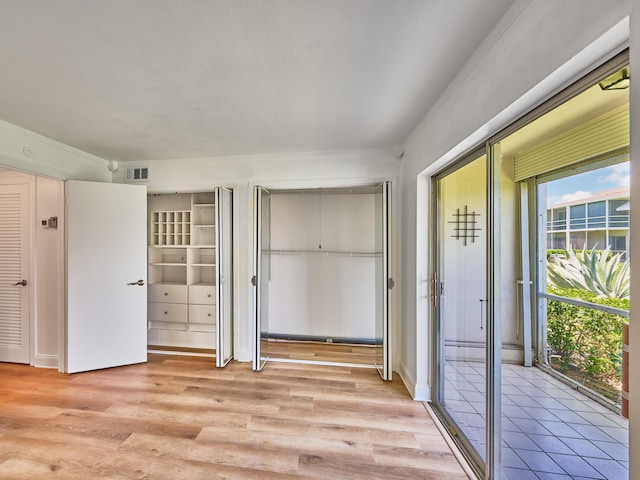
x=549, y=430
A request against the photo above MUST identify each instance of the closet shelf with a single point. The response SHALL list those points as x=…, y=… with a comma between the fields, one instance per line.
x=203, y=225
x=326, y=253
x=204, y=205
x=169, y=264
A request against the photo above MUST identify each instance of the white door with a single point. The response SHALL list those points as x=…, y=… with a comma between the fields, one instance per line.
x=106, y=275
x=15, y=284
x=384, y=283
x=224, y=276
x=260, y=280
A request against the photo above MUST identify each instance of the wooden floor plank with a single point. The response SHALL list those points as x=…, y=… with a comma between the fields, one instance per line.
x=180, y=417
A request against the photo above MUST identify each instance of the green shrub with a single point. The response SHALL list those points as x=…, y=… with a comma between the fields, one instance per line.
x=584, y=339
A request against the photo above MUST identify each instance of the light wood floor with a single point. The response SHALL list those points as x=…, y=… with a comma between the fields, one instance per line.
x=178, y=417
x=323, y=352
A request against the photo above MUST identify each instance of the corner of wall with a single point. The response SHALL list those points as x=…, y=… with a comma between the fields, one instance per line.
x=419, y=392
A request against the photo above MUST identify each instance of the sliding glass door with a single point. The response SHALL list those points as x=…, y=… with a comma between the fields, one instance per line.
x=459, y=289
x=526, y=228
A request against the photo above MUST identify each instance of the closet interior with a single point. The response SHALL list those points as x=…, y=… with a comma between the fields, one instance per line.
x=190, y=273
x=324, y=274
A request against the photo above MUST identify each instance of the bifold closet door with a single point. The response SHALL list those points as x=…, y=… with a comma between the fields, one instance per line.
x=260, y=279
x=224, y=276
x=106, y=275
x=384, y=283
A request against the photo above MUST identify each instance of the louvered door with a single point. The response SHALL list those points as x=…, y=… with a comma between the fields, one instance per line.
x=14, y=269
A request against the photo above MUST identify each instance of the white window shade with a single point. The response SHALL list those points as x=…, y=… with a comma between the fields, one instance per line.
x=606, y=135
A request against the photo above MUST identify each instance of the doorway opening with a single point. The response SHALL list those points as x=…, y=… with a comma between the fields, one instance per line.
x=190, y=271
x=322, y=276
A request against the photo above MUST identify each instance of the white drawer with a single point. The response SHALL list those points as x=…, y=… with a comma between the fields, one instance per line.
x=202, y=314
x=167, y=312
x=202, y=294
x=160, y=292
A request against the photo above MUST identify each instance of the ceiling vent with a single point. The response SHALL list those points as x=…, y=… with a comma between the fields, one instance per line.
x=137, y=174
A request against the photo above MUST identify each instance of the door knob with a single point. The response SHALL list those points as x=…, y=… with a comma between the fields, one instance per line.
x=139, y=282
x=23, y=283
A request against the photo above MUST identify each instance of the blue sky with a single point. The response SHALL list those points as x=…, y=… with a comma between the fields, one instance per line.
x=585, y=184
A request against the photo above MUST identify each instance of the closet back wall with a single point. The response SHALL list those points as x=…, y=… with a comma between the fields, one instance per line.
x=322, y=265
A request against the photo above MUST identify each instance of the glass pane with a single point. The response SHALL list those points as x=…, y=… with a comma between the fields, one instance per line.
x=462, y=276
x=578, y=216
x=597, y=212
x=619, y=213
x=596, y=239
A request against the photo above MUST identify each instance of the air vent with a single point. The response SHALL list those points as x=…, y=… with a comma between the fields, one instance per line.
x=137, y=174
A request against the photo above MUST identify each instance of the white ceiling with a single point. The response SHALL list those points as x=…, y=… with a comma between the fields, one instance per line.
x=157, y=79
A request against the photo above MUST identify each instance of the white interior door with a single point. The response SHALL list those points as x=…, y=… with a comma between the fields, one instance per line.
x=384, y=283
x=224, y=271
x=15, y=284
x=260, y=280
x=106, y=257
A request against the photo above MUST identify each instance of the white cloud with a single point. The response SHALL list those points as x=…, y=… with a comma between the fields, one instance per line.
x=554, y=199
x=579, y=195
x=618, y=175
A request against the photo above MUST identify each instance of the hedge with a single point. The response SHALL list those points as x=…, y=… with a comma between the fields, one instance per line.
x=584, y=339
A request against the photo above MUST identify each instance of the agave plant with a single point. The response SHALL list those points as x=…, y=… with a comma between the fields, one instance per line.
x=598, y=272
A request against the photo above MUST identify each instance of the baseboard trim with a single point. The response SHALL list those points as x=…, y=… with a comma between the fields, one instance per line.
x=419, y=392
x=45, y=361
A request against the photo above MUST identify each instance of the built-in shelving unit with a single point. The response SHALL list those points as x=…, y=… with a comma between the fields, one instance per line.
x=182, y=270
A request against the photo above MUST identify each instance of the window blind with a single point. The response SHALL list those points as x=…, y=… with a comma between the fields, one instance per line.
x=605, y=135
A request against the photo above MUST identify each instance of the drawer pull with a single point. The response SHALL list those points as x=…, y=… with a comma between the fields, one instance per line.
x=166, y=313
x=209, y=296
x=166, y=293
x=208, y=314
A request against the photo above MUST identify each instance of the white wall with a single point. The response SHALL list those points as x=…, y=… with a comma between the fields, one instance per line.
x=539, y=48
x=301, y=170
x=49, y=268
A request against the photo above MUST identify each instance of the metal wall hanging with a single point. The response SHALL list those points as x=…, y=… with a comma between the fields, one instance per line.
x=465, y=225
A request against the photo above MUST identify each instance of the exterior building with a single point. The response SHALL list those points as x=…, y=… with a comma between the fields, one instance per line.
x=597, y=221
